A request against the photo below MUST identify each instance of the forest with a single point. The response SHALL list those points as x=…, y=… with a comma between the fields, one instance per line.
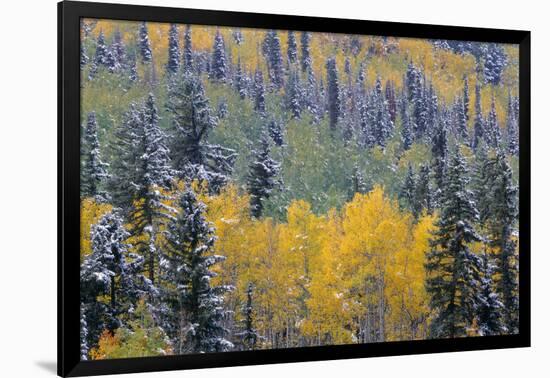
x=245, y=189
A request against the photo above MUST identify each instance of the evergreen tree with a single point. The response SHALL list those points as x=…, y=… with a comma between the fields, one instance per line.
x=306, y=62
x=311, y=96
x=479, y=127
x=480, y=182
x=241, y=83
x=100, y=56
x=132, y=68
x=466, y=98
x=502, y=215
x=84, y=349
x=118, y=49
x=173, y=64
x=492, y=134
x=259, y=92
x=110, y=61
x=368, y=115
x=494, y=63
x=512, y=137
x=432, y=111
x=334, y=102
x=406, y=129
x=276, y=133
x=452, y=269
x=391, y=100
x=439, y=153
x=83, y=57
x=262, y=176
x=294, y=94
x=218, y=66
x=274, y=58
x=192, y=120
x=423, y=196
x=292, y=47
x=187, y=49
x=109, y=271
x=196, y=306
x=358, y=184
x=93, y=170
x=238, y=36
x=490, y=308
x=156, y=174
x=139, y=172
x=461, y=126
x=249, y=335
x=144, y=44
x=382, y=126
x=407, y=193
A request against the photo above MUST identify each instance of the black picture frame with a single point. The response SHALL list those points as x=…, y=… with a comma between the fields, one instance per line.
x=69, y=15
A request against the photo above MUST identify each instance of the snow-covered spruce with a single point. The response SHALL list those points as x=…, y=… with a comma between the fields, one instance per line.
x=196, y=306
x=192, y=120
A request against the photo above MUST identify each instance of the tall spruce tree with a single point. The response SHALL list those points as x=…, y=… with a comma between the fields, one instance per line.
x=249, y=335
x=440, y=152
x=144, y=44
x=294, y=94
x=118, y=49
x=100, y=55
x=132, y=68
x=93, y=170
x=173, y=64
x=494, y=63
x=493, y=135
x=512, y=137
x=274, y=58
x=262, y=176
x=452, y=268
x=305, y=59
x=276, y=132
x=141, y=170
x=460, y=120
x=109, y=272
x=149, y=210
x=84, y=348
x=195, y=320
x=259, y=92
x=192, y=119
x=490, y=308
x=218, y=65
x=241, y=82
x=333, y=98
x=84, y=59
x=502, y=215
x=391, y=100
x=423, y=196
x=479, y=123
x=382, y=125
x=406, y=129
x=407, y=193
x=187, y=49
x=292, y=47
x=466, y=98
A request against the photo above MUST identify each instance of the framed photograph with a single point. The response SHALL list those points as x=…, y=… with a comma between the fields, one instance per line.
x=239, y=188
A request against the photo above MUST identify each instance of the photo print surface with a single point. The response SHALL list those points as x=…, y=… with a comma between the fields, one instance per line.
x=247, y=189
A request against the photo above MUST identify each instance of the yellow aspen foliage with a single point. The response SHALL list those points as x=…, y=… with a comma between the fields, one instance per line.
x=328, y=312
x=90, y=212
x=375, y=231
x=408, y=299
x=108, y=344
